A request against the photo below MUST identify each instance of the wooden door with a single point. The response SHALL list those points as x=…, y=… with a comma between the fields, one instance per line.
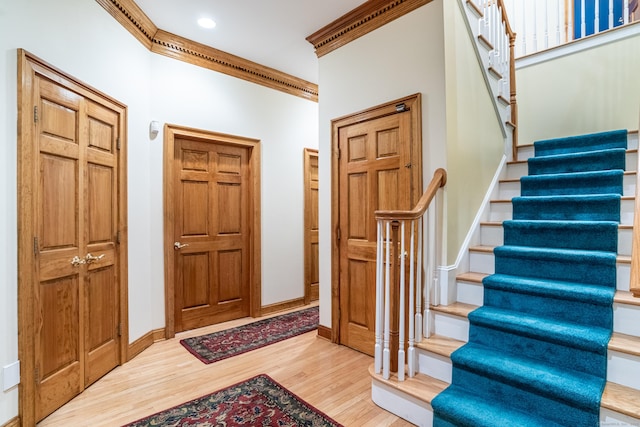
x=76, y=296
x=211, y=233
x=311, y=252
x=378, y=168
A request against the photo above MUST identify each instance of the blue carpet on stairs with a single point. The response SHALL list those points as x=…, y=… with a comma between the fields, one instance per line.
x=537, y=350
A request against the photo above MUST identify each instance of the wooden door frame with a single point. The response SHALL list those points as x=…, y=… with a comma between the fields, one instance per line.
x=171, y=132
x=413, y=103
x=308, y=153
x=28, y=66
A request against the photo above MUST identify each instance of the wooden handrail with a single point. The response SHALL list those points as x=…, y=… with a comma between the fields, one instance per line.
x=439, y=180
x=512, y=80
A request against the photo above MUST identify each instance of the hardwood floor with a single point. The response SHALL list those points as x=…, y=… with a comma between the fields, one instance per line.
x=332, y=378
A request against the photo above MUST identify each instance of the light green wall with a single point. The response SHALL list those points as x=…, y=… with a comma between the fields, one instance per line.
x=475, y=143
x=593, y=90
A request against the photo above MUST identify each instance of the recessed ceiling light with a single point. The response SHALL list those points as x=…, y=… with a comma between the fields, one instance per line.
x=206, y=22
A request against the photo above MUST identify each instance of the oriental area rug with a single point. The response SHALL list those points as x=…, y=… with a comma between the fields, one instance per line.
x=259, y=401
x=231, y=342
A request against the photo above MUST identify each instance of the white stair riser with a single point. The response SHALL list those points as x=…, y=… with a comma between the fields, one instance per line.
x=623, y=369
x=626, y=319
x=510, y=189
x=493, y=235
x=401, y=404
x=502, y=211
x=484, y=262
x=611, y=418
x=434, y=365
x=470, y=293
x=448, y=325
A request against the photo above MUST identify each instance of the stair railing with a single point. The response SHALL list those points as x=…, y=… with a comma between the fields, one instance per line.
x=494, y=32
x=399, y=281
x=546, y=24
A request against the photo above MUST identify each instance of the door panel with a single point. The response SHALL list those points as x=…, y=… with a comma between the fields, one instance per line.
x=211, y=214
x=374, y=173
x=76, y=304
x=311, y=241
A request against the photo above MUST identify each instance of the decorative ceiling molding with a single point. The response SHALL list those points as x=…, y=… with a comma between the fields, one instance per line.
x=364, y=19
x=131, y=17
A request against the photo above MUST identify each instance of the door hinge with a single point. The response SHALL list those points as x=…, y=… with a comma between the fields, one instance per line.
x=339, y=151
x=401, y=108
x=338, y=233
x=35, y=246
x=118, y=143
x=35, y=114
x=119, y=329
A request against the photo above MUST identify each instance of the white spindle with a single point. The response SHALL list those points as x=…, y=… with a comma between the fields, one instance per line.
x=535, y=26
x=546, y=25
x=426, y=331
x=583, y=19
x=411, y=355
x=419, y=283
x=625, y=13
x=401, y=355
x=570, y=19
x=558, y=17
x=596, y=19
x=386, y=353
x=377, y=353
x=610, y=14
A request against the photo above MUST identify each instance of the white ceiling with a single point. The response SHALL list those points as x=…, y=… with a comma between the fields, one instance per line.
x=268, y=32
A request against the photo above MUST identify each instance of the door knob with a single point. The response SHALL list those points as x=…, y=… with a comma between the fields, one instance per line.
x=76, y=261
x=90, y=258
x=178, y=245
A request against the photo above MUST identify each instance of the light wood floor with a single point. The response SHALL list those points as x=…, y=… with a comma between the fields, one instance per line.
x=332, y=378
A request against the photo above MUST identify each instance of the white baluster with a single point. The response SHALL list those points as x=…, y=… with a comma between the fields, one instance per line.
x=625, y=13
x=401, y=355
x=558, y=17
x=535, y=27
x=596, y=19
x=411, y=355
x=610, y=14
x=546, y=26
x=377, y=352
x=583, y=20
x=386, y=353
x=419, y=283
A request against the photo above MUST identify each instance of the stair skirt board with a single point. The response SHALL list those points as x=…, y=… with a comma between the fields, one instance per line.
x=537, y=349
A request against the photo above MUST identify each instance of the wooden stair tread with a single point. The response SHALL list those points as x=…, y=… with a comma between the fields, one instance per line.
x=421, y=387
x=441, y=345
x=622, y=399
x=623, y=343
x=626, y=297
x=471, y=276
x=481, y=248
x=456, y=309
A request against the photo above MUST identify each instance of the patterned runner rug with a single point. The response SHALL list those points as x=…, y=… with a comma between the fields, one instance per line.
x=231, y=342
x=259, y=401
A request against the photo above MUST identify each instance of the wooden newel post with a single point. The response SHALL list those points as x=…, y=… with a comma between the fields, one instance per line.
x=394, y=298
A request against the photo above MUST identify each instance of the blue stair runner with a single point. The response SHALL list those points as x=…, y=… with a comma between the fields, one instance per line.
x=537, y=350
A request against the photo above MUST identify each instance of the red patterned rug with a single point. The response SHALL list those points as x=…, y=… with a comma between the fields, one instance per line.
x=259, y=401
x=231, y=342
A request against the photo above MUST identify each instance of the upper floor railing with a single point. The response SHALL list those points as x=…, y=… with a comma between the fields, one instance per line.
x=544, y=24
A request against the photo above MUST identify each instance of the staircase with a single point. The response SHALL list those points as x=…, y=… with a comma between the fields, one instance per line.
x=620, y=403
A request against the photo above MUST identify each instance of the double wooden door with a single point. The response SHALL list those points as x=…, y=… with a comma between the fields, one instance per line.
x=211, y=232
x=379, y=168
x=74, y=267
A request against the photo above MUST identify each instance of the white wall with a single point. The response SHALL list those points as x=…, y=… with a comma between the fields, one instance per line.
x=401, y=58
x=589, y=91
x=82, y=39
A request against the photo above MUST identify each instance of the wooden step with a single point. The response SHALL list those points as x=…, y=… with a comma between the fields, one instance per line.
x=437, y=344
x=471, y=277
x=421, y=387
x=627, y=344
x=618, y=398
x=460, y=309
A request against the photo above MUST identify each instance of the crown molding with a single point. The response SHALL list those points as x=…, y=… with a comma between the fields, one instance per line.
x=132, y=18
x=364, y=19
